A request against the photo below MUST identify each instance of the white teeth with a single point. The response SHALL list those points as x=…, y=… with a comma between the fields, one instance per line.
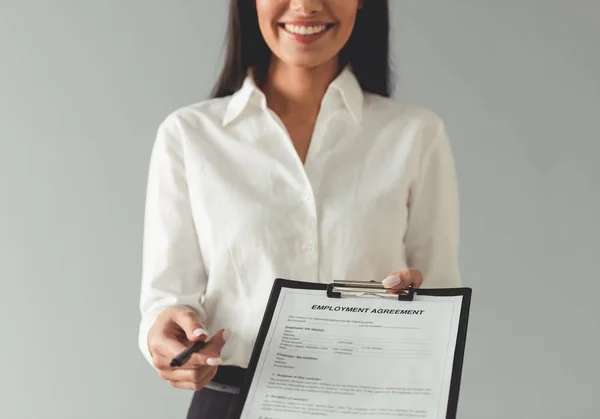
x=305, y=30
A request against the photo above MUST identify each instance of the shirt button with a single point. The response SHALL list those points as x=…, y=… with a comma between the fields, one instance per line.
x=309, y=247
x=306, y=197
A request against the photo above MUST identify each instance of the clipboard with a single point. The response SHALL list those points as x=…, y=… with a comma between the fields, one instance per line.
x=340, y=290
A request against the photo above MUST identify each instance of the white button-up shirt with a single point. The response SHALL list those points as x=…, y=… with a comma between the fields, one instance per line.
x=230, y=205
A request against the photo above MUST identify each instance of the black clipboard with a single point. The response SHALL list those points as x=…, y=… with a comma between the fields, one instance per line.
x=339, y=289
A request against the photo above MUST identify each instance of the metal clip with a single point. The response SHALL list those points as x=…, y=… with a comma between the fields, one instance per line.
x=357, y=288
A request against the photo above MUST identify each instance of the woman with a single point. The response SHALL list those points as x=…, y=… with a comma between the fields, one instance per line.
x=301, y=167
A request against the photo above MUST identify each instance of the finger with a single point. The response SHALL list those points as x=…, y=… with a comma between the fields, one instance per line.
x=416, y=277
x=211, y=353
x=164, y=363
x=167, y=345
x=187, y=385
x=198, y=383
x=410, y=277
x=403, y=279
x=170, y=348
x=188, y=320
x=195, y=376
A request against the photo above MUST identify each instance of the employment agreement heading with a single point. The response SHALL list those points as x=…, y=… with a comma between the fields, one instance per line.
x=367, y=310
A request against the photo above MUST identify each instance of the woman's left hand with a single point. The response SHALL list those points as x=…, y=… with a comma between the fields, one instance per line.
x=403, y=279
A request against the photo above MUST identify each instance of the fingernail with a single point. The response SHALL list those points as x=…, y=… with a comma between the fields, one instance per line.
x=200, y=332
x=226, y=334
x=391, y=281
x=213, y=362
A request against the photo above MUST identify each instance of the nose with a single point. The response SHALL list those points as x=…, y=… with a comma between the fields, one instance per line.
x=306, y=7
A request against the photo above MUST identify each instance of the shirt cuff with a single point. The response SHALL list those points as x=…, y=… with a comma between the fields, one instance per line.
x=144, y=328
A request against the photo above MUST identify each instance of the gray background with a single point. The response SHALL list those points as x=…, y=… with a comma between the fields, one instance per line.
x=83, y=86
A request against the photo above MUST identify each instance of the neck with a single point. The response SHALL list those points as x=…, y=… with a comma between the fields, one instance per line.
x=296, y=90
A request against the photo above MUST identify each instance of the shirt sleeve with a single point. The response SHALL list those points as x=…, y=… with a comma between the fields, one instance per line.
x=432, y=236
x=172, y=269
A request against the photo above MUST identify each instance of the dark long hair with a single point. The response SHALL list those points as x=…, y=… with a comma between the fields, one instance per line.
x=367, y=50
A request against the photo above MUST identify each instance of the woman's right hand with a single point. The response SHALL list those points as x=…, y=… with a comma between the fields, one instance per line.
x=173, y=331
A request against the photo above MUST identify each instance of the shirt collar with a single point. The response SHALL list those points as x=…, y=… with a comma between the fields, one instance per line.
x=345, y=85
x=348, y=88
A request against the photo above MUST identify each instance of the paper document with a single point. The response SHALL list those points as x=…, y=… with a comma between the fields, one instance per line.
x=368, y=357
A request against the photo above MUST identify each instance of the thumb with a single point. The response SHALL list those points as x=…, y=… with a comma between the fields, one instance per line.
x=404, y=278
x=188, y=320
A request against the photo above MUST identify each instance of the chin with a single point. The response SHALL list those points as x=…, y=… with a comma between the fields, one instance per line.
x=307, y=62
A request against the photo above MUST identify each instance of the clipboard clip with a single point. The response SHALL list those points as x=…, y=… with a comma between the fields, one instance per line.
x=337, y=288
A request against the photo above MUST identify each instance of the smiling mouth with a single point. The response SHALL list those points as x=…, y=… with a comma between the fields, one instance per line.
x=306, y=30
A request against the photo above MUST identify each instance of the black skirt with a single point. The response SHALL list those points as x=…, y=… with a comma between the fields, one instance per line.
x=213, y=404
x=218, y=400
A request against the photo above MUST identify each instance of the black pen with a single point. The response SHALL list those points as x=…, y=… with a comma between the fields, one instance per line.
x=184, y=356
